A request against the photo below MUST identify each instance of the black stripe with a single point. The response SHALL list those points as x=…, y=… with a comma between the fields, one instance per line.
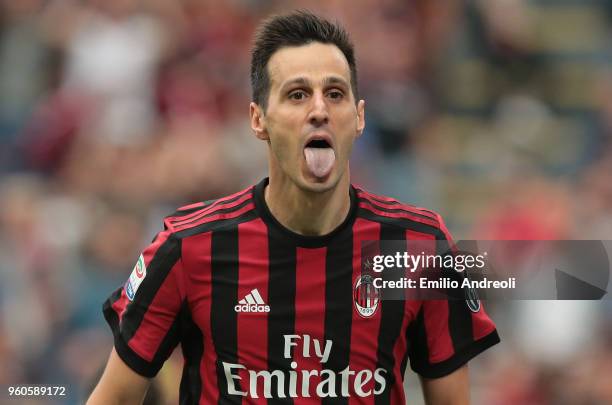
x=459, y=315
x=218, y=224
x=158, y=269
x=425, y=210
x=397, y=210
x=281, y=297
x=364, y=196
x=178, y=213
x=223, y=318
x=213, y=212
x=446, y=367
x=418, y=350
x=368, y=195
x=404, y=364
x=192, y=345
x=392, y=315
x=339, y=307
x=403, y=223
x=460, y=324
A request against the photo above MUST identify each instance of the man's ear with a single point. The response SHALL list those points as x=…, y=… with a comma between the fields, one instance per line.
x=258, y=121
x=360, y=117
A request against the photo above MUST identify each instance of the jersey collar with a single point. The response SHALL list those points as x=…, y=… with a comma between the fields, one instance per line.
x=298, y=239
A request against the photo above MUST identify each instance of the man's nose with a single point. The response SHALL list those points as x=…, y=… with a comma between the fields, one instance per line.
x=318, y=113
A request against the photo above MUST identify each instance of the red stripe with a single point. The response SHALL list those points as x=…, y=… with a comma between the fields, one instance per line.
x=197, y=258
x=420, y=243
x=207, y=207
x=253, y=274
x=417, y=243
x=449, y=237
x=120, y=305
x=420, y=236
x=392, y=203
x=160, y=315
x=398, y=206
x=381, y=198
x=179, y=218
x=439, y=342
x=399, y=351
x=218, y=217
x=436, y=315
x=405, y=215
x=378, y=197
x=214, y=203
x=310, y=310
x=364, y=342
x=482, y=325
x=190, y=206
x=210, y=210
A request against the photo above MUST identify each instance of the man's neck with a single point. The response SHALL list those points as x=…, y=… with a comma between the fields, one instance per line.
x=308, y=213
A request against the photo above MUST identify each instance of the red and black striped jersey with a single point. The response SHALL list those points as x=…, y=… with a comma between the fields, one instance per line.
x=265, y=315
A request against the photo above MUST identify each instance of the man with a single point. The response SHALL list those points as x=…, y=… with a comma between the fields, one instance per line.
x=260, y=288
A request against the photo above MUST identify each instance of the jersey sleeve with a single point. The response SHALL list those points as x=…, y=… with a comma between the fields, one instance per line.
x=446, y=334
x=145, y=313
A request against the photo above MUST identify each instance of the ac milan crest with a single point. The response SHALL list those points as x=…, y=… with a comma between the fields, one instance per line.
x=366, y=297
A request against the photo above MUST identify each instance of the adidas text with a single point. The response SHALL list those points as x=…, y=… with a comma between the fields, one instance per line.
x=252, y=308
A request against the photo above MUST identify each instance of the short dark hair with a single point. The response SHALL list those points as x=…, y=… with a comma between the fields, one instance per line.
x=295, y=29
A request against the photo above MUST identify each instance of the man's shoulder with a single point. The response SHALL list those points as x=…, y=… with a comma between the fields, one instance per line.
x=212, y=214
x=391, y=211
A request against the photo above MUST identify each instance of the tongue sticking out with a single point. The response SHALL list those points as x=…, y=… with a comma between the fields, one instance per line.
x=319, y=160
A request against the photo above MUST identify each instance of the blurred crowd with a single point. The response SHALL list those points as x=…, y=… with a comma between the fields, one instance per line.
x=496, y=113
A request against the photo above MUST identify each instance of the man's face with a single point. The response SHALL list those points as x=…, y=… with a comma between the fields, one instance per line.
x=311, y=120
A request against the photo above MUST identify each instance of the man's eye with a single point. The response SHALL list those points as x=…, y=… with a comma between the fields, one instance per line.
x=335, y=94
x=297, y=95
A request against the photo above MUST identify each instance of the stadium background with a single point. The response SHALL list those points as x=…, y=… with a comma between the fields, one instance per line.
x=496, y=113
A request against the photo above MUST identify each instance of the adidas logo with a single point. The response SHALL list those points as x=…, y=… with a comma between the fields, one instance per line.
x=252, y=303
